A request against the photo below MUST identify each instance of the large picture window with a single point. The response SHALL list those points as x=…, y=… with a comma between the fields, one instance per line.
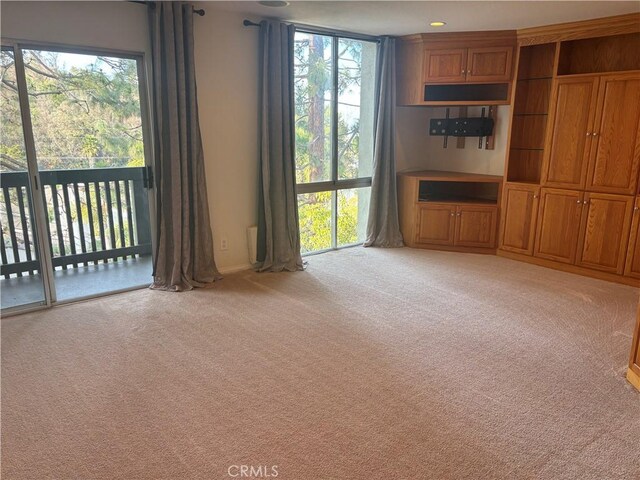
x=334, y=109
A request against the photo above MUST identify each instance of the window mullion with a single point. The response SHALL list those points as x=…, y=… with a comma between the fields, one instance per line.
x=334, y=143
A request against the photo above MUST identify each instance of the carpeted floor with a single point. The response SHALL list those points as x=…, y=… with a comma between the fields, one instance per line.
x=372, y=364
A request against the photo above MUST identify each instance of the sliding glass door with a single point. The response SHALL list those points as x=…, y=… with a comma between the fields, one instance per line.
x=334, y=82
x=85, y=127
x=22, y=279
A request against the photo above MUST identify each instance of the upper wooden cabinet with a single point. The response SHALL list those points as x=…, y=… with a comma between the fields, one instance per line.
x=462, y=68
x=571, y=122
x=615, y=137
x=445, y=66
x=489, y=64
x=485, y=64
x=594, y=134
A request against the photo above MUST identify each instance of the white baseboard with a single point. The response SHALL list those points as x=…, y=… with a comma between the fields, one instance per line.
x=235, y=269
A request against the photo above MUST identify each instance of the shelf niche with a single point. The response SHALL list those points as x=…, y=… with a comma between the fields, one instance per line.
x=616, y=53
x=530, y=112
x=458, y=192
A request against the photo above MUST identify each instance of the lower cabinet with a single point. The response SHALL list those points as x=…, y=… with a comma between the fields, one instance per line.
x=457, y=225
x=436, y=224
x=520, y=207
x=604, y=231
x=558, y=224
x=597, y=231
x=632, y=266
x=476, y=226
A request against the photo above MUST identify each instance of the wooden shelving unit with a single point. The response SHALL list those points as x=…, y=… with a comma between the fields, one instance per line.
x=530, y=113
x=572, y=193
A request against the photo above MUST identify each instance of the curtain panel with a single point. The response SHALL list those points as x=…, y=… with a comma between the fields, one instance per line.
x=184, y=249
x=383, y=226
x=278, y=225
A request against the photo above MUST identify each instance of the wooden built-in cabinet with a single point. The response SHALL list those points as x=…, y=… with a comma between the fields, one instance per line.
x=594, y=141
x=487, y=64
x=573, y=158
x=604, y=231
x=449, y=210
x=463, y=68
x=558, y=224
x=520, y=207
x=632, y=265
x=571, y=119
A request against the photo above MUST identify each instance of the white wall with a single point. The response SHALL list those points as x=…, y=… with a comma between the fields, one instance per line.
x=417, y=150
x=227, y=76
x=226, y=71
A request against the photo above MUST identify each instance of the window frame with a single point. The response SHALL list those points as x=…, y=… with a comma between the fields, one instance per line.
x=335, y=184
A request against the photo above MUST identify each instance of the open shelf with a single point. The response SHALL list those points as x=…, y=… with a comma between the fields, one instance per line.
x=536, y=62
x=458, y=192
x=614, y=53
x=530, y=113
x=471, y=92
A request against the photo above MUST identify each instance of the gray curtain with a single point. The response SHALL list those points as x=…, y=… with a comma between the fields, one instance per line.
x=184, y=251
x=278, y=226
x=383, y=227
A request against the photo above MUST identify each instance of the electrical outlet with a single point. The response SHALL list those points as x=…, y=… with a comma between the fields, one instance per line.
x=224, y=244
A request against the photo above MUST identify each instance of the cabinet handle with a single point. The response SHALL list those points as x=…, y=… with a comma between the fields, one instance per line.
x=635, y=209
x=535, y=196
x=595, y=134
x=579, y=202
x=452, y=214
x=586, y=202
x=458, y=214
x=588, y=134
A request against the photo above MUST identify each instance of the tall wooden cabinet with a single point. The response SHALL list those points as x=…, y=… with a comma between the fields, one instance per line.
x=572, y=198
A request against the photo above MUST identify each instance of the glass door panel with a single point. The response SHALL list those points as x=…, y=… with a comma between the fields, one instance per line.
x=88, y=135
x=21, y=279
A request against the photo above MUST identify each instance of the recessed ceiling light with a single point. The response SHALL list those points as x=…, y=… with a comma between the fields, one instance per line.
x=433, y=24
x=274, y=4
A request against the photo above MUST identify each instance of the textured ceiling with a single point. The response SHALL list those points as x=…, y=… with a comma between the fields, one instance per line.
x=401, y=18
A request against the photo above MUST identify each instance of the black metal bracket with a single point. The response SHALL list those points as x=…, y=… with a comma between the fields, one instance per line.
x=461, y=127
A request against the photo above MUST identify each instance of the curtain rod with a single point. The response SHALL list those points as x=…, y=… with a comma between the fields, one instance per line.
x=153, y=5
x=323, y=31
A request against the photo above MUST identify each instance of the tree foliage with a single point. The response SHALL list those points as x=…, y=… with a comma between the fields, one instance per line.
x=85, y=111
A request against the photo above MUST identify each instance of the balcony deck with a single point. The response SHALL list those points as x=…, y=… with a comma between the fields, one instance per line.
x=78, y=282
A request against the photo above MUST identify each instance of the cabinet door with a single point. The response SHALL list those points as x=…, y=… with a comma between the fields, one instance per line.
x=632, y=266
x=520, y=210
x=604, y=231
x=491, y=64
x=573, y=109
x=558, y=224
x=445, y=65
x=476, y=226
x=436, y=224
x=615, y=151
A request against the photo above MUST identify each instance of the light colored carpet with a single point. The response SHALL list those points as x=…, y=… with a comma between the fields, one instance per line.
x=372, y=364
